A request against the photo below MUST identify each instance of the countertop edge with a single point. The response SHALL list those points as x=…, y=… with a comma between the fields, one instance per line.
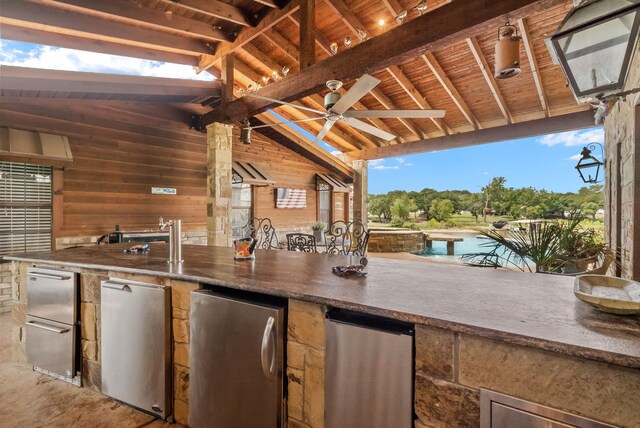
x=504, y=336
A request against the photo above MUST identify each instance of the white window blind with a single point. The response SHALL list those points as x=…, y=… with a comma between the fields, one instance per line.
x=25, y=208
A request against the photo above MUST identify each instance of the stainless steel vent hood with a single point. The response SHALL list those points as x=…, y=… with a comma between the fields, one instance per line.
x=17, y=145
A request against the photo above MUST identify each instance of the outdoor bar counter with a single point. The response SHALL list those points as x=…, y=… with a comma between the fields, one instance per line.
x=520, y=334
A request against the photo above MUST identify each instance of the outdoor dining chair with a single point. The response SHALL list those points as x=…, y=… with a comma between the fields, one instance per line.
x=347, y=238
x=262, y=231
x=301, y=242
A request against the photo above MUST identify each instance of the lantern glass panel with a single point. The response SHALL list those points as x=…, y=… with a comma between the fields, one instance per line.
x=595, y=55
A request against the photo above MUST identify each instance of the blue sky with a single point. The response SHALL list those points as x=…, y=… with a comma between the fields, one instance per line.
x=543, y=162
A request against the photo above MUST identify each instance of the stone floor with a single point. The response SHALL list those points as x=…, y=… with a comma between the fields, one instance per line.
x=30, y=399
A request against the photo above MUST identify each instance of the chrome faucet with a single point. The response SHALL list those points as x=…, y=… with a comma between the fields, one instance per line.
x=175, y=239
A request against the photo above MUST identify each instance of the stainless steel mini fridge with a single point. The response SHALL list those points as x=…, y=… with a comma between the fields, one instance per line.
x=236, y=359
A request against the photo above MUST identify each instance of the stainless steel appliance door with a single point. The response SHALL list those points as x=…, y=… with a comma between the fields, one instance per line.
x=369, y=377
x=51, y=345
x=236, y=363
x=136, y=348
x=51, y=294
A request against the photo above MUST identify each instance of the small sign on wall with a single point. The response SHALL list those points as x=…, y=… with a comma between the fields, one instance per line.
x=164, y=191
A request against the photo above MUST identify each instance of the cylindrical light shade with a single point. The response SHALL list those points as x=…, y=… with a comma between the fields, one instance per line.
x=507, y=53
x=245, y=134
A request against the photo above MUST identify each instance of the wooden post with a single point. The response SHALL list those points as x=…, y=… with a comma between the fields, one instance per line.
x=307, y=53
x=360, y=191
x=219, y=178
x=226, y=78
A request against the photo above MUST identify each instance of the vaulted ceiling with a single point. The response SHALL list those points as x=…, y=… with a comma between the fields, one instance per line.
x=455, y=75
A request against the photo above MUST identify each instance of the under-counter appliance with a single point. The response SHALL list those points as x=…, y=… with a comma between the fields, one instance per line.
x=52, y=322
x=368, y=372
x=136, y=344
x=236, y=361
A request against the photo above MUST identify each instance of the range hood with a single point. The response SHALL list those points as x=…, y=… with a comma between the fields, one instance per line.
x=17, y=145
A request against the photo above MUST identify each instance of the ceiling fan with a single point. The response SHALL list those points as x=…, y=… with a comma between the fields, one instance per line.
x=338, y=110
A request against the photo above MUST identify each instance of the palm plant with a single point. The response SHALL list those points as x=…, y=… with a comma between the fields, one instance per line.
x=551, y=247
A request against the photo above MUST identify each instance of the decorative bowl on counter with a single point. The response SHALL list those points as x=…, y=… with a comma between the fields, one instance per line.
x=608, y=293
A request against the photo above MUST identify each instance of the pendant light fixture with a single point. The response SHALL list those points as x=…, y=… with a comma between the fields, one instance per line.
x=507, y=52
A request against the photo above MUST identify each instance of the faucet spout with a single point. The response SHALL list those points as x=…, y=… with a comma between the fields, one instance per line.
x=175, y=239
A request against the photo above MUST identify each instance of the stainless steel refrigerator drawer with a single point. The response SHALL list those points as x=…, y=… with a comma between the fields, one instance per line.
x=136, y=344
x=51, y=294
x=51, y=345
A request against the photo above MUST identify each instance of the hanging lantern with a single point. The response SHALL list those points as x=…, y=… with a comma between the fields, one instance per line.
x=507, y=52
x=594, y=45
x=589, y=166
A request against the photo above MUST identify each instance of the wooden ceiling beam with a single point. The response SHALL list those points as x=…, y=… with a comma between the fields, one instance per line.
x=307, y=43
x=415, y=95
x=549, y=125
x=248, y=34
x=393, y=6
x=282, y=43
x=227, y=78
x=448, y=86
x=476, y=50
x=321, y=40
x=46, y=18
x=442, y=27
x=268, y=3
x=533, y=63
x=262, y=58
x=216, y=9
x=31, y=35
x=128, y=12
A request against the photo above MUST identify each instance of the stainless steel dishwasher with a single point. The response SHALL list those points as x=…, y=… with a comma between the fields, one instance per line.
x=237, y=347
x=369, y=372
x=136, y=344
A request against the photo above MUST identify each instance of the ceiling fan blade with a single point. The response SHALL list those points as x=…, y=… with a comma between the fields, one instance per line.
x=260, y=97
x=370, y=129
x=325, y=129
x=359, y=89
x=395, y=114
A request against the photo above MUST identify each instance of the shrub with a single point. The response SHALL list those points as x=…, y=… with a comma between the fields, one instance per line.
x=433, y=224
x=410, y=225
x=451, y=223
x=396, y=222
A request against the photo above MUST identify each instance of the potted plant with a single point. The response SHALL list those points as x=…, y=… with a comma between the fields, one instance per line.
x=318, y=231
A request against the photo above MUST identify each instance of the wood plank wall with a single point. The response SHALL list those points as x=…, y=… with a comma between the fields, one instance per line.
x=121, y=152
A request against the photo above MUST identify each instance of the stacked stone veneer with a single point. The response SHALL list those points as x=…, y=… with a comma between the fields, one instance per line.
x=622, y=176
x=452, y=367
x=305, y=365
x=5, y=287
x=219, y=174
x=397, y=241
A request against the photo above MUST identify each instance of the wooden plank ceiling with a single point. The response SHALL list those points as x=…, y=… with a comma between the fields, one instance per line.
x=265, y=36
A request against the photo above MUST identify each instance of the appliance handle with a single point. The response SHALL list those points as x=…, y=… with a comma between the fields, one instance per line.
x=47, y=327
x=117, y=286
x=268, y=367
x=49, y=276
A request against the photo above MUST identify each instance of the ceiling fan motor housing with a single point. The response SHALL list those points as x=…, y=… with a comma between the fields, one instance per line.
x=331, y=99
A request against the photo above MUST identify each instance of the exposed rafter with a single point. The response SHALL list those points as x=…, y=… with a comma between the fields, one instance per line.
x=476, y=50
x=569, y=122
x=268, y=3
x=415, y=95
x=282, y=43
x=321, y=40
x=437, y=70
x=248, y=34
x=55, y=20
x=307, y=45
x=389, y=105
x=216, y=9
x=128, y=12
x=435, y=30
x=533, y=63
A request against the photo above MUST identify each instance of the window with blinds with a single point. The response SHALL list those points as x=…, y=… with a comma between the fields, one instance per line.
x=25, y=208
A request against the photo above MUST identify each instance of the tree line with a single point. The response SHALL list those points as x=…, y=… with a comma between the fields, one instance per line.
x=493, y=199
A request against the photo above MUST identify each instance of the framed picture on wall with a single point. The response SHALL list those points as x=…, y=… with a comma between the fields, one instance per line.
x=291, y=198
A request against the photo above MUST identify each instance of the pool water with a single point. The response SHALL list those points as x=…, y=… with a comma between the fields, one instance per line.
x=471, y=244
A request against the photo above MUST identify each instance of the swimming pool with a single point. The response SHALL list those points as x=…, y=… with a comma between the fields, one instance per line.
x=471, y=244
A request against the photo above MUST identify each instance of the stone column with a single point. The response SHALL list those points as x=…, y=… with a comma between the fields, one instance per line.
x=219, y=232
x=360, y=191
x=622, y=180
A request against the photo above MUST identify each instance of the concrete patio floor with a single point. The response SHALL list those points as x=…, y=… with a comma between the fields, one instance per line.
x=31, y=399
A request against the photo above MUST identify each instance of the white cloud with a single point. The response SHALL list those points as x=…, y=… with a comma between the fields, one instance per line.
x=383, y=167
x=574, y=157
x=400, y=160
x=48, y=57
x=485, y=173
x=408, y=164
x=375, y=162
x=574, y=138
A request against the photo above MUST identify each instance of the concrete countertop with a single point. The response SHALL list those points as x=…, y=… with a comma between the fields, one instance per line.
x=524, y=308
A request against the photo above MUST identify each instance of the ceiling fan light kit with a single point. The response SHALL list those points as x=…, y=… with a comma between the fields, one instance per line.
x=338, y=109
